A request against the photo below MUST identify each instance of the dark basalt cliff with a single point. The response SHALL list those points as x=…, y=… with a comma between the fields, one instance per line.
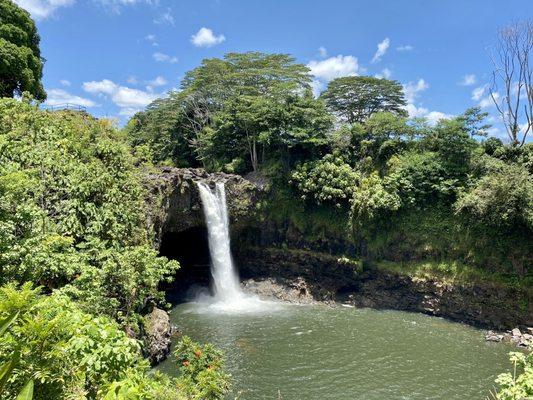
x=174, y=201
x=268, y=251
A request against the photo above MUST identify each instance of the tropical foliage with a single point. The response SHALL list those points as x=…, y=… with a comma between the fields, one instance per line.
x=21, y=65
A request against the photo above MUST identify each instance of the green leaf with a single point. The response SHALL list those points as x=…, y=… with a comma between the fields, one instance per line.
x=27, y=391
x=4, y=324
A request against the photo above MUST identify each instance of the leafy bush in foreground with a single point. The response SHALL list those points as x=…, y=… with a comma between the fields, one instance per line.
x=72, y=211
x=517, y=385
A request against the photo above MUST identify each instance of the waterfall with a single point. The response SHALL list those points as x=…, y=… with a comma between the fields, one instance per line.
x=226, y=282
x=228, y=295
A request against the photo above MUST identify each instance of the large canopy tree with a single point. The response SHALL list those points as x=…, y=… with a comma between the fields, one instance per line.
x=355, y=98
x=236, y=113
x=21, y=65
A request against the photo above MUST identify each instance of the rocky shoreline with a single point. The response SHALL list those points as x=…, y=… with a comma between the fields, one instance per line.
x=298, y=292
x=293, y=275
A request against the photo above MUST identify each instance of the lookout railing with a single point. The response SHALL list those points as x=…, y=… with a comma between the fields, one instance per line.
x=65, y=106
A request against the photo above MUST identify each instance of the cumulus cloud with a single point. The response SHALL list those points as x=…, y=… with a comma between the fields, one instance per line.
x=478, y=92
x=413, y=89
x=206, y=38
x=403, y=48
x=128, y=99
x=385, y=73
x=64, y=82
x=488, y=101
x=41, y=9
x=162, y=57
x=60, y=96
x=156, y=82
x=331, y=68
x=468, y=80
x=382, y=49
x=322, y=51
x=105, y=86
x=482, y=96
x=334, y=67
x=431, y=116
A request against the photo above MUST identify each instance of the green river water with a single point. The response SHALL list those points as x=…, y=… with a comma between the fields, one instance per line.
x=319, y=352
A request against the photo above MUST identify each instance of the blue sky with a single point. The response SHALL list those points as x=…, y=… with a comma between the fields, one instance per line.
x=115, y=56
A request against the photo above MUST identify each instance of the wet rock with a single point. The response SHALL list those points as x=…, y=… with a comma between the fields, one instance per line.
x=485, y=305
x=158, y=335
x=296, y=291
x=493, y=337
x=173, y=202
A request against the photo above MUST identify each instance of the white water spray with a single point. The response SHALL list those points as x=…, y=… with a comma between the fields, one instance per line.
x=228, y=296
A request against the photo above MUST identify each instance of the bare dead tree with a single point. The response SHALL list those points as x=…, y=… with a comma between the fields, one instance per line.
x=512, y=83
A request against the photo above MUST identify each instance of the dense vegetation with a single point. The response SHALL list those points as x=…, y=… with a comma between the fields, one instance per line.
x=350, y=164
x=77, y=266
x=72, y=222
x=408, y=190
x=21, y=64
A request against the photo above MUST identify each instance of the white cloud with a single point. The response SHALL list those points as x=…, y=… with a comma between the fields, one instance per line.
x=382, y=49
x=385, y=73
x=165, y=19
x=412, y=89
x=431, y=116
x=482, y=96
x=334, y=67
x=488, y=101
x=115, y=6
x=323, y=52
x=478, y=92
x=206, y=38
x=331, y=68
x=60, y=96
x=158, y=81
x=406, y=47
x=41, y=9
x=132, y=80
x=104, y=86
x=468, y=80
x=152, y=39
x=162, y=57
x=64, y=82
x=128, y=99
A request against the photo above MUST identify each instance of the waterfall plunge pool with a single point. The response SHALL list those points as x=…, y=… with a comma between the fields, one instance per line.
x=319, y=352
x=291, y=352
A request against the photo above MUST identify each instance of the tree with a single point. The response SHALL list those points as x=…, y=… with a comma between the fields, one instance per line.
x=513, y=75
x=355, y=98
x=21, y=65
x=473, y=119
x=235, y=113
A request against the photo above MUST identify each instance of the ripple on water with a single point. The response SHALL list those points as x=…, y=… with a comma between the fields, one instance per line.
x=318, y=352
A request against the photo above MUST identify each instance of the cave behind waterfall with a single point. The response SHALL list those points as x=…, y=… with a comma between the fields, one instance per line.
x=191, y=249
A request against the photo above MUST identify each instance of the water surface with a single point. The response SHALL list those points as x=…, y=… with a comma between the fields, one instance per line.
x=318, y=352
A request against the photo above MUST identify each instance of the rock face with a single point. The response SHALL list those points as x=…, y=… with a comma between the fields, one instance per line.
x=158, y=335
x=329, y=278
x=174, y=203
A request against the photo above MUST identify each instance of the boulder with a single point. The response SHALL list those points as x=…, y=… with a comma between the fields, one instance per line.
x=158, y=335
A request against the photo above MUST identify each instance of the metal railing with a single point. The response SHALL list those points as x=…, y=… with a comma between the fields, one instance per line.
x=64, y=106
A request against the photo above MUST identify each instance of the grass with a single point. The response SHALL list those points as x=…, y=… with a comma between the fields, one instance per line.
x=455, y=272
